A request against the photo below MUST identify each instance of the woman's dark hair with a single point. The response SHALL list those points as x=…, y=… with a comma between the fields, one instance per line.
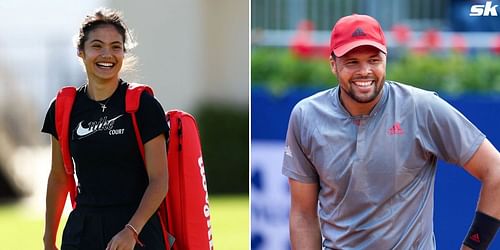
x=101, y=17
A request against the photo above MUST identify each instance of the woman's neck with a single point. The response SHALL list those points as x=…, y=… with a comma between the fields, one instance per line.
x=101, y=90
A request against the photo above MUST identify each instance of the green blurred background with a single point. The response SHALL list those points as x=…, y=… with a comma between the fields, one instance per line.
x=448, y=71
x=21, y=229
x=434, y=45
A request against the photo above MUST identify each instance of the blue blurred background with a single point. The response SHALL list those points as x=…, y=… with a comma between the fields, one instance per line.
x=194, y=53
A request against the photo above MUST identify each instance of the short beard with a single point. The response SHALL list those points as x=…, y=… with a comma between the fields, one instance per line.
x=378, y=89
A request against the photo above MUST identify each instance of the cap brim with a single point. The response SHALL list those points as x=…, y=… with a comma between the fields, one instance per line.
x=342, y=50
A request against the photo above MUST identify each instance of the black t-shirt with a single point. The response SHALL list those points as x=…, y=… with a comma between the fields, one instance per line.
x=108, y=164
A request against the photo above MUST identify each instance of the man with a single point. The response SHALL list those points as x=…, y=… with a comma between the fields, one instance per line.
x=361, y=157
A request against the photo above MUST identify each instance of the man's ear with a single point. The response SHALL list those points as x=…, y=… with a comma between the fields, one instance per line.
x=333, y=65
x=80, y=53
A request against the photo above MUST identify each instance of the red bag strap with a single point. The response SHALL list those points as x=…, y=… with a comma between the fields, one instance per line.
x=174, y=148
x=133, y=96
x=64, y=103
x=132, y=101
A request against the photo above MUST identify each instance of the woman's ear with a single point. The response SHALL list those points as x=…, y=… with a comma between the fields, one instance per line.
x=80, y=53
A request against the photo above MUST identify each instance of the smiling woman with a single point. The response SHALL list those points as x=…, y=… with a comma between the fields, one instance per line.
x=102, y=43
x=103, y=53
x=118, y=191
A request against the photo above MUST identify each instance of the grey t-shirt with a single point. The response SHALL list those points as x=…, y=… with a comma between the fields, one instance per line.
x=376, y=172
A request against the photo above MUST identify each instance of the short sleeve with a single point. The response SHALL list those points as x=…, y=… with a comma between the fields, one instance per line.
x=445, y=132
x=296, y=164
x=151, y=118
x=49, y=126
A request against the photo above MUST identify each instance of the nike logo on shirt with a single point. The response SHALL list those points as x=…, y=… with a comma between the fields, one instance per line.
x=95, y=126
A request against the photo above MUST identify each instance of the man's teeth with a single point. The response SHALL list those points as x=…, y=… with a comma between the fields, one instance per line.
x=363, y=84
x=106, y=64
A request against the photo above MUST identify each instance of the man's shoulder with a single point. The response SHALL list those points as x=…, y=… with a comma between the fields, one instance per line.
x=403, y=93
x=323, y=97
x=419, y=100
x=406, y=89
x=310, y=106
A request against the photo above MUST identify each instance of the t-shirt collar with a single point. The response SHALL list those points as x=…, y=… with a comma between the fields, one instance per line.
x=337, y=104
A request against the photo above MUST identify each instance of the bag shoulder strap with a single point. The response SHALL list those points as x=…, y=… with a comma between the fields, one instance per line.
x=133, y=96
x=64, y=103
x=132, y=101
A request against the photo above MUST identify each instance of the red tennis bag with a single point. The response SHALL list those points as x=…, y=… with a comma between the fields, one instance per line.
x=185, y=213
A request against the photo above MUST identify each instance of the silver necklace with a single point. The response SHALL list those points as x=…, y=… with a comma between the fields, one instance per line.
x=103, y=105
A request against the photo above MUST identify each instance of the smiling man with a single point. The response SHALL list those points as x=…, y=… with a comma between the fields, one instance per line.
x=361, y=157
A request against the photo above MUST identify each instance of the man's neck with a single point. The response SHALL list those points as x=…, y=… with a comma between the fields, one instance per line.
x=356, y=108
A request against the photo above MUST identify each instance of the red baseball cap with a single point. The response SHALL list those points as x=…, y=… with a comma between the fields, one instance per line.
x=356, y=30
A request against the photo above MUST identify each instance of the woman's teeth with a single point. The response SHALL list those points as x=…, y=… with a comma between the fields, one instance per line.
x=105, y=64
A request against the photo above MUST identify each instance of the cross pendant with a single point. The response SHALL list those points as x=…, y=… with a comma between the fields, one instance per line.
x=103, y=106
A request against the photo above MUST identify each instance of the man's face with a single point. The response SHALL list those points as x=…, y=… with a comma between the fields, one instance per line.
x=361, y=73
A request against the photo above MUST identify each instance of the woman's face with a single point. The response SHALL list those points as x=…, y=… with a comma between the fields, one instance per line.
x=103, y=53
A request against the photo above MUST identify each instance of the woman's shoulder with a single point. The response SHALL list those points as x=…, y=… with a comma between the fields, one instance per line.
x=146, y=100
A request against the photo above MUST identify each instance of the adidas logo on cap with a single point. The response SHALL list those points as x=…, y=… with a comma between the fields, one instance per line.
x=358, y=32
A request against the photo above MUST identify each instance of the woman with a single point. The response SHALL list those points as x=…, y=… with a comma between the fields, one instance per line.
x=117, y=196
